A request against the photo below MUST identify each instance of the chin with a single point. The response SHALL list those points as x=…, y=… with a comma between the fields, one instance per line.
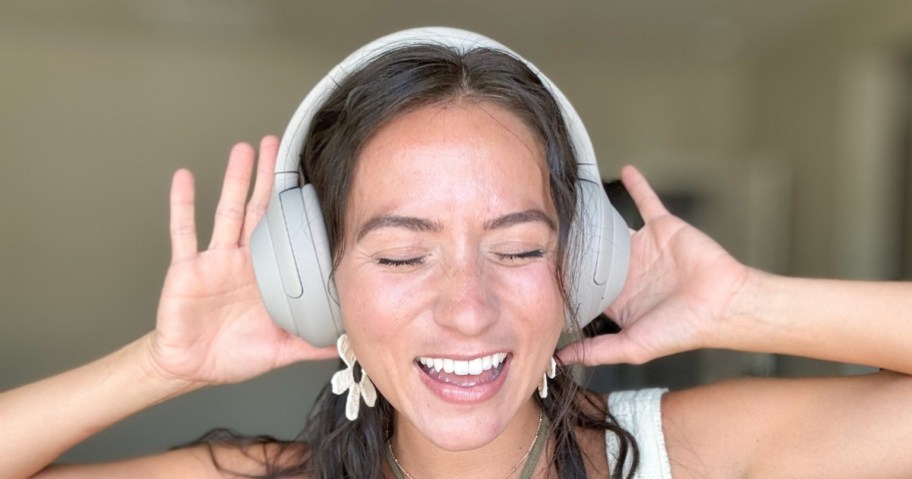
x=462, y=433
x=463, y=426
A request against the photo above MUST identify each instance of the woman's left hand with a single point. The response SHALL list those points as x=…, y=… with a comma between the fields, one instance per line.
x=681, y=286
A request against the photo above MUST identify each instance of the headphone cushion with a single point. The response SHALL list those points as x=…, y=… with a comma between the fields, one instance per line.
x=297, y=290
x=601, y=260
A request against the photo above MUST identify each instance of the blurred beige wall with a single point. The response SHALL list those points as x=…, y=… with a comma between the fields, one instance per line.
x=832, y=101
x=782, y=129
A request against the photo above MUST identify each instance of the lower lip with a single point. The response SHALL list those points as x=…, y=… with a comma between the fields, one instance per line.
x=465, y=395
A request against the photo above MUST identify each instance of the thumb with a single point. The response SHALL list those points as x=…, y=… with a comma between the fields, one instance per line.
x=604, y=349
x=296, y=350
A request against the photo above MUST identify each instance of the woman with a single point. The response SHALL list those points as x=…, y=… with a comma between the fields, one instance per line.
x=449, y=202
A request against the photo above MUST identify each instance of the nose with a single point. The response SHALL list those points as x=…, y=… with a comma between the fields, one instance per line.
x=466, y=304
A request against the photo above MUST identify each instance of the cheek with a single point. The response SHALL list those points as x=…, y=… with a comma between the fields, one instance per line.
x=377, y=310
x=380, y=313
x=377, y=301
x=537, y=308
x=532, y=288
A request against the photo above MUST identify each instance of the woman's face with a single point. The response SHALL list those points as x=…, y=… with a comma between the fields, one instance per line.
x=447, y=281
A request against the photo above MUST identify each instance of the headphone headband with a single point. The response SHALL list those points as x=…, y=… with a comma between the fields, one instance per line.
x=292, y=144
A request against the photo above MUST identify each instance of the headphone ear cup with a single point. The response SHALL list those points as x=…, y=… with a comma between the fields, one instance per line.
x=601, y=260
x=292, y=263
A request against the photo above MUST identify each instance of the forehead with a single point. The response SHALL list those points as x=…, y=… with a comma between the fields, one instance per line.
x=450, y=157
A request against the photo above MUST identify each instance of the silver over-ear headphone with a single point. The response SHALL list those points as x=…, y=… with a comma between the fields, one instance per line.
x=289, y=248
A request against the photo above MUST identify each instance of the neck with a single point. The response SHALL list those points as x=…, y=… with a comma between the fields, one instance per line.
x=425, y=460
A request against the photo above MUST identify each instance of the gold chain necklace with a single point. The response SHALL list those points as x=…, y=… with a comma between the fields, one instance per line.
x=515, y=467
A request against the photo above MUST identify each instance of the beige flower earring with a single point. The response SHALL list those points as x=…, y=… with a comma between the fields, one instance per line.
x=345, y=380
x=549, y=374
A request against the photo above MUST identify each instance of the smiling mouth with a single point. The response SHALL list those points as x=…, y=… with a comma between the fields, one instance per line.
x=464, y=373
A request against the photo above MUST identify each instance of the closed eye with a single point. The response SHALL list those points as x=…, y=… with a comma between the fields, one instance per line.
x=519, y=257
x=400, y=263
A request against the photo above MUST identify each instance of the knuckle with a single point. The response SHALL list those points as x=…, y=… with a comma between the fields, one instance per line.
x=231, y=213
x=257, y=210
x=183, y=229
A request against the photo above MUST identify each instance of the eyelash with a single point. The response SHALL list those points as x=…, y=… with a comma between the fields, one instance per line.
x=400, y=263
x=536, y=253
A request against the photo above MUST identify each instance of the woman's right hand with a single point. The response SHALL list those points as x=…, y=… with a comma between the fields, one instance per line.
x=212, y=326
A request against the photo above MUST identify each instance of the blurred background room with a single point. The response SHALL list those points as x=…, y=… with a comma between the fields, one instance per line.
x=782, y=128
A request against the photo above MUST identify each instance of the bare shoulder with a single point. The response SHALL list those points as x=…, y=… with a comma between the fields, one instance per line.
x=768, y=427
x=199, y=461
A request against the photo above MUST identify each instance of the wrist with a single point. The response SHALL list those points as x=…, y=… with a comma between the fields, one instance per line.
x=154, y=376
x=749, y=313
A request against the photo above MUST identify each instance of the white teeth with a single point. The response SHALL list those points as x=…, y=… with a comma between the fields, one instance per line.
x=498, y=358
x=472, y=367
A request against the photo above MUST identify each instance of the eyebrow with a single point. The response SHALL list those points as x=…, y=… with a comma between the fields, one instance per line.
x=396, y=221
x=527, y=216
x=420, y=224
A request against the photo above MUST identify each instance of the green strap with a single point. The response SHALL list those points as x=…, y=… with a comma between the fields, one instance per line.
x=537, y=449
x=392, y=462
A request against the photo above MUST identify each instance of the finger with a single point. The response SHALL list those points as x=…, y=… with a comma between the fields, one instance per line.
x=262, y=188
x=605, y=349
x=182, y=222
x=296, y=350
x=647, y=201
x=229, y=214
